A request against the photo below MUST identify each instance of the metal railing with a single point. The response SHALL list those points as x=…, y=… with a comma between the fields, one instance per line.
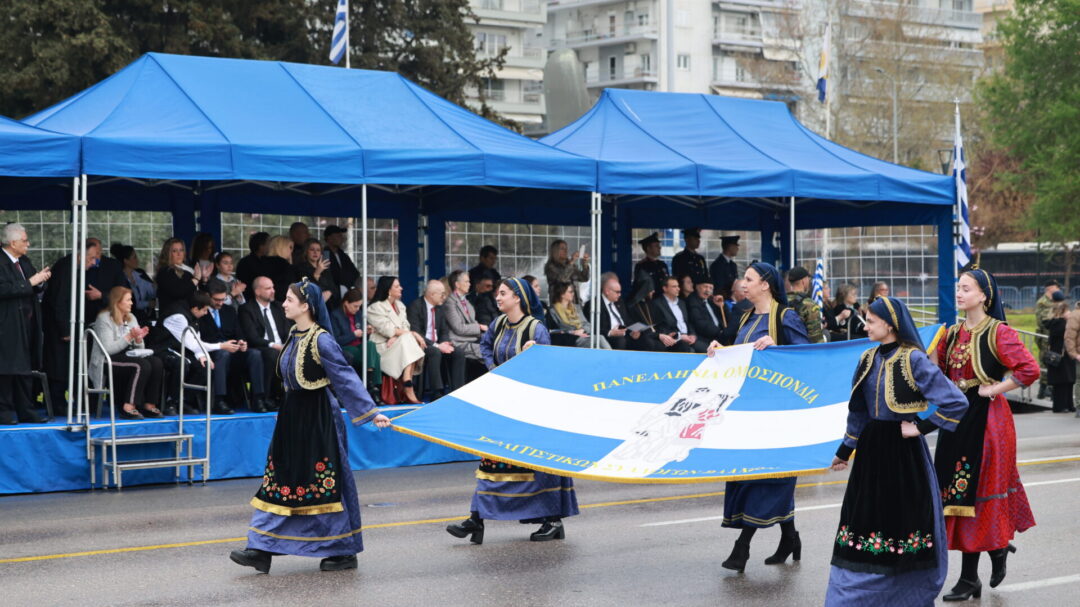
x=206, y=389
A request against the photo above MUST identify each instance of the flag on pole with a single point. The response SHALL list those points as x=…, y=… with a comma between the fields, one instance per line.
x=823, y=65
x=817, y=291
x=963, y=242
x=339, y=42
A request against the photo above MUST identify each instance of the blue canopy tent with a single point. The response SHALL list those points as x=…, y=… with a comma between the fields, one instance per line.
x=204, y=135
x=26, y=151
x=668, y=159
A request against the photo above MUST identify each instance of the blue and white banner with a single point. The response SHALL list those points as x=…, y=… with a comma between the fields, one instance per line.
x=817, y=289
x=339, y=41
x=963, y=240
x=645, y=417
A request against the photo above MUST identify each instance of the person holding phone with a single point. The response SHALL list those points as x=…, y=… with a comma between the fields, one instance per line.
x=561, y=268
x=315, y=265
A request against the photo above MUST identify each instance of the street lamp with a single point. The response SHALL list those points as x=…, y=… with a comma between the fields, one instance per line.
x=895, y=152
x=945, y=158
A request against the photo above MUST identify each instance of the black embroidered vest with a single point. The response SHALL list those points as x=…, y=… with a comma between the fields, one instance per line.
x=310, y=373
x=902, y=394
x=984, y=353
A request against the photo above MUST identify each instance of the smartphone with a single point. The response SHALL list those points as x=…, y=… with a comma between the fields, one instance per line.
x=326, y=255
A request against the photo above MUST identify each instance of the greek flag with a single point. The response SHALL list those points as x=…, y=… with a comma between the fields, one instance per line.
x=339, y=43
x=817, y=291
x=963, y=243
x=823, y=64
x=654, y=417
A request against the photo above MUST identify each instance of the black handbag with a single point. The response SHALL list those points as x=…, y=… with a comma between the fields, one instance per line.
x=1051, y=358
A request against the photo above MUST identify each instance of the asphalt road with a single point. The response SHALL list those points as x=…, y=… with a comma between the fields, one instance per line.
x=632, y=545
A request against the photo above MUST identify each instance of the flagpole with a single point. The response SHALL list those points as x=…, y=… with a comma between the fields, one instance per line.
x=829, y=94
x=347, y=64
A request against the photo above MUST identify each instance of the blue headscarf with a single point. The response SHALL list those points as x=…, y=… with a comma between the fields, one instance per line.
x=988, y=284
x=313, y=298
x=771, y=275
x=530, y=301
x=896, y=314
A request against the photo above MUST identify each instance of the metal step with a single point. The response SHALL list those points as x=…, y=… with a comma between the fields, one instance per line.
x=137, y=464
x=196, y=387
x=142, y=440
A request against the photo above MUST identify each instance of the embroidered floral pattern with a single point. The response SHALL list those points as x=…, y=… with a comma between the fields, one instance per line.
x=324, y=485
x=876, y=543
x=961, y=482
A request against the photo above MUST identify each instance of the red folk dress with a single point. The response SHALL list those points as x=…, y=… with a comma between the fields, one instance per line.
x=1001, y=505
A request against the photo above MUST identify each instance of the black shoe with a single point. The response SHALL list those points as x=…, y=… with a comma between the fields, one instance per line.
x=739, y=555
x=468, y=527
x=125, y=414
x=150, y=411
x=271, y=404
x=789, y=544
x=257, y=405
x=189, y=410
x=338, y=563
x=9, y=419
x=32, y=417
x=251, y=557
x=169, y=411
x=964, y=590
x=997, y=564
x=222, y=408
x=550, y=530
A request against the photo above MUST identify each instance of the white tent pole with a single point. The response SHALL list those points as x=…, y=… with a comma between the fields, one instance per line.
x=364, y=272
x=791, y=236
x=72, y=311
x=82, y=407
x=594, y=269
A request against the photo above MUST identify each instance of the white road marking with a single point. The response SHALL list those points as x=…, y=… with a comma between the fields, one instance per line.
x=1034, y=585
x=1053, y=482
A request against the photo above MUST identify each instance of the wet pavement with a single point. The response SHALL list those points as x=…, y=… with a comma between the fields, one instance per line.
x=632, y=545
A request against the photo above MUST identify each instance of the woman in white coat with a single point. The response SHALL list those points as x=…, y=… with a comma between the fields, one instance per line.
x=401, y=349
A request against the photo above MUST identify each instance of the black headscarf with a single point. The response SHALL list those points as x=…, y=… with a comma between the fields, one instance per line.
x=988, y=284
x=896, y=314
x=771, y=275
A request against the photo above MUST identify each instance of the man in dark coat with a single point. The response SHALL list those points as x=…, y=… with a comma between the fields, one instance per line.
x=708, y=314
x=688, y=262
x=615, y=316
x=673, y=320
x=265, y=329
x=489, y=255
x=342, y=268
x=222, y=324
x=428, y=318
x=250, y=266
x=724, y=270
x=651, y=266
x=20, y=318
x=483, y=299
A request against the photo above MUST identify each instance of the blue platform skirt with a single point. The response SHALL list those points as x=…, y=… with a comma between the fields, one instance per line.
x=315, y=535
x=759, y=504
x=546, y=495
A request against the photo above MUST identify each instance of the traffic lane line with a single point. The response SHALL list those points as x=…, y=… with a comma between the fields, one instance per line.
x=1037, y=584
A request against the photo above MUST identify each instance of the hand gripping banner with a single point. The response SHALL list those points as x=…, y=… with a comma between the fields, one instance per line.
x=645, y=417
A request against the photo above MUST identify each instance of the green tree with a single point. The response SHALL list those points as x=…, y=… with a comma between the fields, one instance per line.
x=1033, y=108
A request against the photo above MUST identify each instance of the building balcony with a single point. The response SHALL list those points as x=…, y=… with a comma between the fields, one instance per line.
x=775, y=5
x=748, y=84
x=626, y=77
x=555, y=6
x=590, y=38
x=534, y=106
x=915, y=14
x=529, y=12
x=532, y=58
x=739, y=38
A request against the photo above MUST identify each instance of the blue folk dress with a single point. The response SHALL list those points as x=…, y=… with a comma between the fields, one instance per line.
x=890, y=547
x=765, y=502
x=308, y=504
x=503, y=491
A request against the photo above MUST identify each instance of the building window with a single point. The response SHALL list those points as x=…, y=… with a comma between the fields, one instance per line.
x=646, y=63
x=612, y=65
x=490, y=45
x=493, y=89
x=643, y=19
x=682, y=62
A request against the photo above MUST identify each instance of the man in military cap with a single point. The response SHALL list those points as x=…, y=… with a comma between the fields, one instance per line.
x=652, y=266
x=724, y=270
x=799, y=299
x=688, y=262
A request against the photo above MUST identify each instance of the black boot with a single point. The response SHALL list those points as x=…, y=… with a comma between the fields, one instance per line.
x=789, y=544
x=472, y=526
x=338, y=563
x=258, y=404
x=222, y=408
x=997, y=564
x=739, y=555
x=251, y=557
x=964, y=590
x=552, y=529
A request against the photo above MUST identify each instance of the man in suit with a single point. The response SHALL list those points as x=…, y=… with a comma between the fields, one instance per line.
x=489, y=255
x=250, y=266
x=483, y=299
x=689, y=262
x=342, y=268
x=265, y=329
x=464, y=330
x=652, y=266
x=724, y=270
x=20, y=324
x=615, y=317
x=175, y=343
x=428, y=318
x=672, y=320
x=708, y=314
x=222, y=324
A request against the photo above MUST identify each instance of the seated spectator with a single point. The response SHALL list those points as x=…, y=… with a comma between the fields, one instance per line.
x=316, y=267
x=176, y=321
x=568, y=317
x=534, y=282
x=672, y=320
x=879, y=289
x=640, y=306
x=464, y=329
x=849, y=319
x=142, y=287
x=428, y=316
x=251, y=265
x=615, y=316
x=176, y=281
x=483, y=300
x=739, y=303
x=234, y=287
x=561, y=267
x=202, y=255
x=138, y=380
x=222, y=325
x=686, y=286
x=489, y=255
x=265, y=328
x=277, y=266
x=349, y=326
x=708, y=314
x=298, y=234
x=401, y=349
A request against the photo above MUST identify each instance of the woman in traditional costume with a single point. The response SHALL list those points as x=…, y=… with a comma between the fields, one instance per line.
x=889, y=548
x=505, y=491
x=307, y=504
x=757, y=504
x=985, y=502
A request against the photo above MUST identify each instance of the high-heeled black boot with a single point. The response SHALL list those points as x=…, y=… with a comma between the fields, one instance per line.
x=472, y=526
x=997, y=564
x=736, y=561
x=789, y=544
x=552, y=529
x=964, y=590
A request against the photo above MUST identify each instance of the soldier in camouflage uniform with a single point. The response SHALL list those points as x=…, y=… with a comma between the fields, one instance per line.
x=799, y=299
x=1044, y=309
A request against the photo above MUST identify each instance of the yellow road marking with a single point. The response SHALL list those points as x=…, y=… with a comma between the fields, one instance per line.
x=646, y=500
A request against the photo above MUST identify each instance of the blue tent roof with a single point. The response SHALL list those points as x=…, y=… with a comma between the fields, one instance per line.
x=706, y=145
x=26, y=151
x=198, y=118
